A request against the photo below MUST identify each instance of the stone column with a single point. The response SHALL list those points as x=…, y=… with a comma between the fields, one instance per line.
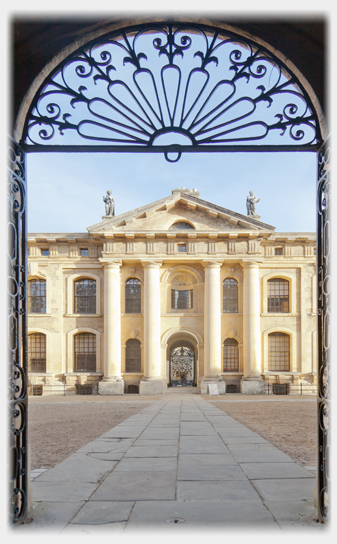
x=152, y=382
x=212, y=328
x=112, y=383
x=252, y=382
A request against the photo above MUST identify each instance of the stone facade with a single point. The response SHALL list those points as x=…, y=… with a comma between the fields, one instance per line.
x=108, y=307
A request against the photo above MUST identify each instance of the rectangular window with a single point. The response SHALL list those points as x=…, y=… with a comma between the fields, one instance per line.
x=45, y=252
x=278, y=251
x=181, y=300
x=84, y=252
x=278, y=296
x=182, y=248
x=278, y=352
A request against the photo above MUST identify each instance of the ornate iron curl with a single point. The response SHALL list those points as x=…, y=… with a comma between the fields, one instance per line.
x=218, y=90
x=323, y=318
x=17, y=334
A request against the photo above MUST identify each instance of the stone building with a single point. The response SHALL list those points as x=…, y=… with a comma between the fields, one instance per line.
x=178, y=292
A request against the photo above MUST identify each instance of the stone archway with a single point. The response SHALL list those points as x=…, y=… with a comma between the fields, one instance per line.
x=182, y=356
x=17, y=199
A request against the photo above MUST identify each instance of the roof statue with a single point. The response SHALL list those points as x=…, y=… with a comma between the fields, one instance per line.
x=109, y=204
x=251, y=203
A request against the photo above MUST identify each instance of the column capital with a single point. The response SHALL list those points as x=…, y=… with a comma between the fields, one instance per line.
x=151, y=264
x=212, y=264
x=110, y=263
x=251, y=264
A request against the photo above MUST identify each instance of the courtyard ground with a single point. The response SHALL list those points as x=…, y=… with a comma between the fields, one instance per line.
x=59, y=425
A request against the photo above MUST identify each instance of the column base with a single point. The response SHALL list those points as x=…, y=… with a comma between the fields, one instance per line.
x=109, y=387
x=210, y=380
x=151, y=386
x=253, y=386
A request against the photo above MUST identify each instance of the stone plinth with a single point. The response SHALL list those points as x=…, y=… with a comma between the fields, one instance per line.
x=151, y=387
x=252, y=386
x=108, y=389
x=218, y=381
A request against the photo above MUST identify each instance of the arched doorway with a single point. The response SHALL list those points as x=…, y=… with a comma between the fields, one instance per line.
x=182, y=355
x=29, y=119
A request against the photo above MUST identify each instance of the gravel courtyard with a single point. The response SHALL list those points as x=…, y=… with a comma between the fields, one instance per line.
x=58, y=426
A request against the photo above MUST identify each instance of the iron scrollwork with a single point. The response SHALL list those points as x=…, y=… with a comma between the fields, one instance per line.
x=176, y=88
x=17, y=334
x=324, y=331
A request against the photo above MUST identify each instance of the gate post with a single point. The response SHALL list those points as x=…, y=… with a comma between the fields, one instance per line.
x=323, y=326
x=17, y=334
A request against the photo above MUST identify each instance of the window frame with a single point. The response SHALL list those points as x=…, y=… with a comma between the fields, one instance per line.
x=70, y=283
x=29, y=296
x=280, y=299
x=231, y=342
x=278, y=369
x=237, y=296
x=86, y=298
x=280, y=274
x=91, y=337
x=175, y=295
x=128, y=300
x=40, y=334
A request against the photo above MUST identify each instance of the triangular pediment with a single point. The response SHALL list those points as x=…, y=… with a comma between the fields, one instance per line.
x=186, y=209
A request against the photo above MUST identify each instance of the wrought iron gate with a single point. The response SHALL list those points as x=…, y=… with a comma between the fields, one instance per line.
x=90, y=103
x=17, y=333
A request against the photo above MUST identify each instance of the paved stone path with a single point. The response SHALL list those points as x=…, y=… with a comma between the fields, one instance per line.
x=181, y=462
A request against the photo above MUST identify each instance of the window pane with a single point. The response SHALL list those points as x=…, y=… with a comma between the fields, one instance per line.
x=181, y=225
x=85, y=297
x=230, y=355
x=278, y=351
x=278, y=296
x=133, y=293
x=133, y=356
x=181, y=300
x=37, y=352
x=37, y=297
x=85, y=352
x=230, y=296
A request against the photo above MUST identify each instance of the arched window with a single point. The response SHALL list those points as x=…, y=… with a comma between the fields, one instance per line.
x=133, y=293
x=37, y=352
x=181, y=225
x=278, y=295
x=133, y=356
x=230, y=296
x=230, y=355
x=36, y=297
x=85, y=352
x=278, y=351
x=85, y=296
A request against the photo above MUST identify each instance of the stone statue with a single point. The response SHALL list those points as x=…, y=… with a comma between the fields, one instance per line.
x=109, y=204
x=251, y=203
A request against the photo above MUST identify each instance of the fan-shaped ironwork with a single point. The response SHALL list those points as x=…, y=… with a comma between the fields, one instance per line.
x=172, y=88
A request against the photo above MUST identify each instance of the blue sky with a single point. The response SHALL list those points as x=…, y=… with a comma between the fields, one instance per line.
x=65, y=191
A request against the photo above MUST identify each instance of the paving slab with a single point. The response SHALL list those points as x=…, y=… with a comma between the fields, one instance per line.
x=152, y=442
x=205, y=459
x=261, y=455
x=137, y=486
x=263, y=471
x=63, y=490
x=101, y=445
x=197, y=429
x=82, y=530
x=291, y=489
x=208, y=514
x=159, y=434
x=216, y=491
x=103, y=512
x=147, y=463
x=210, y=472
x=79, y=467
x=152, y=451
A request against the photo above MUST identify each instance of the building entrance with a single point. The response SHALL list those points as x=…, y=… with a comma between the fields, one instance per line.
x=182, y=361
